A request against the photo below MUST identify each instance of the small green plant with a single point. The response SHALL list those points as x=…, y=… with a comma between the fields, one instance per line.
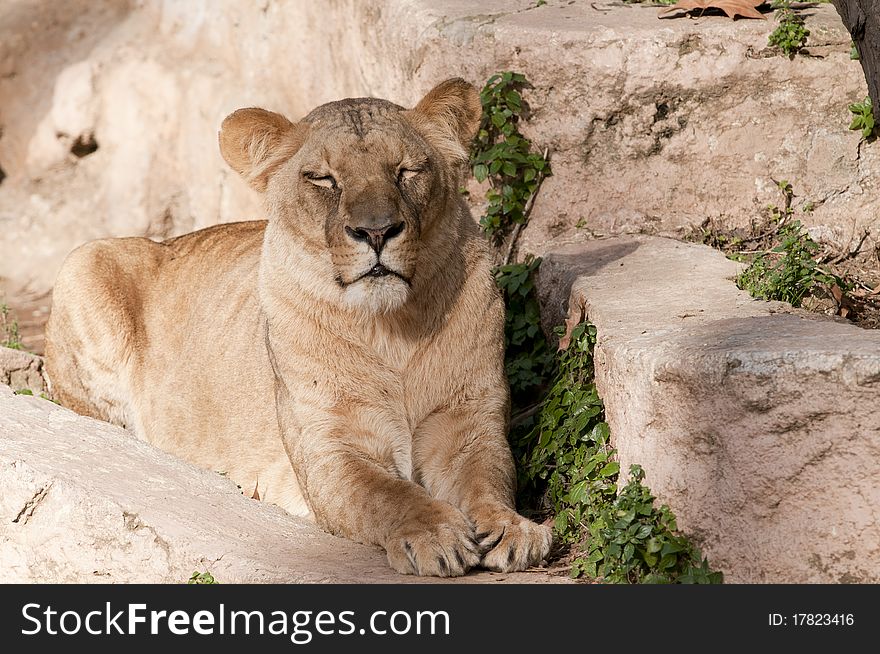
x=633, y=541
x=791, y=34
x=201, y=578
x=505, y=157
x=779, y=215
x=786, y=264
x=854, y=52
x=27, y=391
x=9, y=335
x=788, y=272
x=528, y=358
x=863, y=118
x=566, y=456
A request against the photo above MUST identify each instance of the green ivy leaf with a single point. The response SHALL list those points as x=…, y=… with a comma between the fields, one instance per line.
x=610, y=469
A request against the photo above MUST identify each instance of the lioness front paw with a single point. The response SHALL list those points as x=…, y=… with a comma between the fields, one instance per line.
x=438, y=541
x=511, y=543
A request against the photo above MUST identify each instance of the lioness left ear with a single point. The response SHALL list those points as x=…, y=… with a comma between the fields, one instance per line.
x=449, y=116
x=255, y=142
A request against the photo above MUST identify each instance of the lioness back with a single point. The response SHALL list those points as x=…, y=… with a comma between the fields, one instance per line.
x=168, y=335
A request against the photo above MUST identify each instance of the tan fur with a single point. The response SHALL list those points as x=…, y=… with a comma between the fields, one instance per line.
x=376, y=404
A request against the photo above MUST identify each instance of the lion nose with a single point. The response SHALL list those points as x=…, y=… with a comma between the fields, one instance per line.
x=375, y=236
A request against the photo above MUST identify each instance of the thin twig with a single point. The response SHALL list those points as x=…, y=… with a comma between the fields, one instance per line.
x=770, y=232
x=525, y=414
x=871, y=291
x=851, y=253
x=526, y=212
x=513, y=236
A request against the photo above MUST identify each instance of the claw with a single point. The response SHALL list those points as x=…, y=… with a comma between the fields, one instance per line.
x=487, y=546
x=412, y=559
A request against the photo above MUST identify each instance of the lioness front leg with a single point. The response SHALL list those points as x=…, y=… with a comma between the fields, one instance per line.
x=355, y=491
x=461, y=456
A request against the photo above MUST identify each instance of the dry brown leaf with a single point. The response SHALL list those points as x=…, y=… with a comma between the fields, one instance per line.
x=575, y=318
x=256, y=493
x=844, y=304
x=733, y=8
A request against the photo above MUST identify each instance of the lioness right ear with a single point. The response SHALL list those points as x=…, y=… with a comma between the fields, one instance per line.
x=255, y=142
x=449, y=116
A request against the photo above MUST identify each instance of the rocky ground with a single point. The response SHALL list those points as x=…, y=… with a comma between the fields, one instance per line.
x=757, y=423
x=85, y=502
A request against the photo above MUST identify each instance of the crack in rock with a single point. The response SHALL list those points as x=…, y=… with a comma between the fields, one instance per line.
x=28, y=509
x=133, y=522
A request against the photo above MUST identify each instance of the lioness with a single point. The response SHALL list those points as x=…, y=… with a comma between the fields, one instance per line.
x=344, y=358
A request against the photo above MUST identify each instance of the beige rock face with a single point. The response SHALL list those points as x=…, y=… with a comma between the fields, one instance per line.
x=759, y=425
x=653, y=125
x=84, y=501
x=21, y=370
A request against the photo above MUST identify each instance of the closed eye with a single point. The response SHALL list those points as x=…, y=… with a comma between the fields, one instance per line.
x=405, y=174
x=324, y=181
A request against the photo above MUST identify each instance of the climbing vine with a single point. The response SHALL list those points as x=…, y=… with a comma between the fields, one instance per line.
x=504, y=157
x=566, y=457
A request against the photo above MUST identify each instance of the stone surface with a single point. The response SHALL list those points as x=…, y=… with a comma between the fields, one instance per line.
x=84, y=501
x=654, y=124
x=21, y=370
x=758, y=424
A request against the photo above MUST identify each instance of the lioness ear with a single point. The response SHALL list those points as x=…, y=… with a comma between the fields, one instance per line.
x=255, y=142
x=449, y=116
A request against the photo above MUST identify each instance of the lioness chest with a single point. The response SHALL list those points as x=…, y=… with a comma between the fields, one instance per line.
x=204, y=387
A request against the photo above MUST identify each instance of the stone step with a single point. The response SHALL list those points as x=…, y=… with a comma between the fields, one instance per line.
x=84, y=501
x=758, y=424
x=652, y=124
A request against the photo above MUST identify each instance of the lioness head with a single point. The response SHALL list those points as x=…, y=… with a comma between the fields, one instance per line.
x=361, y=188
